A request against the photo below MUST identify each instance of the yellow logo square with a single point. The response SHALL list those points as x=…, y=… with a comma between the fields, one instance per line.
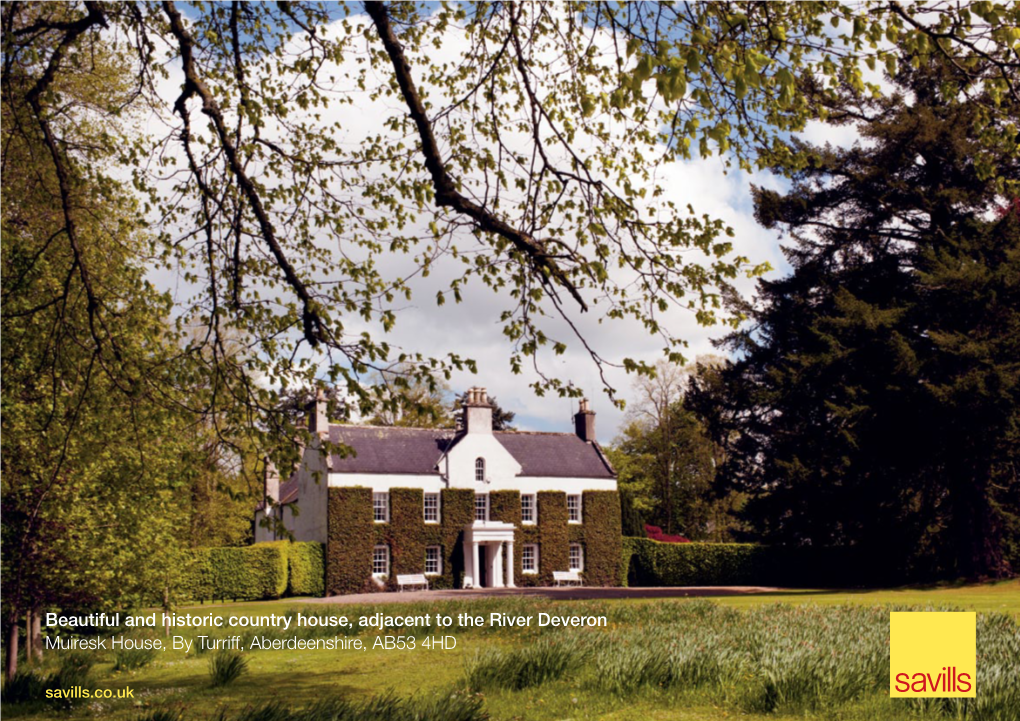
x=932, y=654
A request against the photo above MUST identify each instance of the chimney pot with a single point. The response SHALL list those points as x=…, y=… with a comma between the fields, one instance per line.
x=584, y=422
x=316, y=410
x=477, y=412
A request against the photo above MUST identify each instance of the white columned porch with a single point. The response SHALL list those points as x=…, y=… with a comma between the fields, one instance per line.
x=488, y=533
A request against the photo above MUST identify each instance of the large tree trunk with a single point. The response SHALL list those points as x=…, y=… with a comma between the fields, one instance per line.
x=11, y=665
x=29, y=650
x=35, y=635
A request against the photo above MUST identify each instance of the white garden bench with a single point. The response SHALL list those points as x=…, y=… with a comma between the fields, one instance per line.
x=566, y=578
x=413, y=581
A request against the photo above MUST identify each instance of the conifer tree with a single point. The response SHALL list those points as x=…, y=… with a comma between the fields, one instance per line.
x=876, y=399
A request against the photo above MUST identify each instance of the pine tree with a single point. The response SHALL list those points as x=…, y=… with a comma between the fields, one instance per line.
x=875, y=400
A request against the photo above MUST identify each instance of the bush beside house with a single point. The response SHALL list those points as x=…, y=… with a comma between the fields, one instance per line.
x=252, y=573
x=646, y=562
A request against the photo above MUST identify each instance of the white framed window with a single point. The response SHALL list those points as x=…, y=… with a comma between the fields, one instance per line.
x=381, y=507
x=529, y=558
x=431, y=508
x=527, y=507
x=381, y=561
x=480, y=470
x=433, y=561
x=576, y=557
x=574, y=508
x=481, y=506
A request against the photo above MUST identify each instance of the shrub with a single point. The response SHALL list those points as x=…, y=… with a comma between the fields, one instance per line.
x=226, y=666
x=306, y=566
x=250, y=572
x=23, y=687
x=651, y=563
x=655, y=533
x=195, y=582
x=75, y=670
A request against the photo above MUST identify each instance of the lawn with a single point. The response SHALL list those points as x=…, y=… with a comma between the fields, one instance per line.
x=778, y=656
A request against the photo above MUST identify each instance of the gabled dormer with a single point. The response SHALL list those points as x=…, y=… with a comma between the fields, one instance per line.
x=476, y=459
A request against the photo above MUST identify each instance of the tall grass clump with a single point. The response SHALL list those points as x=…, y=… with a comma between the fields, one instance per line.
x=226, y=665
x=677, y=656
x=130, y=659
x=806, y=657
x=23, y=687
x=547, y=659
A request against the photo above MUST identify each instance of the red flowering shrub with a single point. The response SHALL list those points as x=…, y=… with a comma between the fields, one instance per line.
x=655, y=533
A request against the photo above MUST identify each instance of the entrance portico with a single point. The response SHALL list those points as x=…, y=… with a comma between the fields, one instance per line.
x=489, y=555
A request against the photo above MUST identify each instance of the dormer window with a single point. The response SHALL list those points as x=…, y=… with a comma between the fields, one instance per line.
x=480, y=470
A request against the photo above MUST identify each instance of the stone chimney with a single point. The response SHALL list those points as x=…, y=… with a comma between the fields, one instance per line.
x=584, y=422
x=316, y=412
x=477, y=412
x=272, y=480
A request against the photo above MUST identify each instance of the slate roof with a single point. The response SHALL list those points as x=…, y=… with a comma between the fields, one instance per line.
x=560, y=455
x=386, y=449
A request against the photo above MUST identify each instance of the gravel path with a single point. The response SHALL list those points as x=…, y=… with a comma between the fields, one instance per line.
x=556, y=594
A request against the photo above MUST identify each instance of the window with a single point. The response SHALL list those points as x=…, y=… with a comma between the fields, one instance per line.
x=381, y=561
x=576, y=557
x=481, y=506
x=528, y=507
x=480, y=470
x=574, y=509
x=381, y=507
x=433, y=562
x=529, y=558
x=431, y=508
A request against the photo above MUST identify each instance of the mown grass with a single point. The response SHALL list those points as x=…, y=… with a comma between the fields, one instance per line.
x=692, y=659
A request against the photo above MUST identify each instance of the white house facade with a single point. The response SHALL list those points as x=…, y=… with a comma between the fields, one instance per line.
x=494, y=508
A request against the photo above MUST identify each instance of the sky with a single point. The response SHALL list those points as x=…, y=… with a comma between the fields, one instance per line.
x=473, y=328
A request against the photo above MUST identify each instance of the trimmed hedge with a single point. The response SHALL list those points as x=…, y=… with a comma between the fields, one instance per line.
x=651, y=563
x=250, y=572
x=196, y=582
x=245, y=573
x=307, y=569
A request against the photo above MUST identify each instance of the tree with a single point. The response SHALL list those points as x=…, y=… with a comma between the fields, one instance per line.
x=94, y=446
x=410, y=401
x=875, y=397
x=532, y=163
x=663, y=457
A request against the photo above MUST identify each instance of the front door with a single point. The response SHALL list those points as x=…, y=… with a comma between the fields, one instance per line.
x=483, y=566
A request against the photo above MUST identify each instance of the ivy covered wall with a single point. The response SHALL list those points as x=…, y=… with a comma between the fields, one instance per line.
x=352, y=534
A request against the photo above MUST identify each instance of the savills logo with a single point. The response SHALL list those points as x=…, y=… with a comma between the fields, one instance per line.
x=932, y=654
